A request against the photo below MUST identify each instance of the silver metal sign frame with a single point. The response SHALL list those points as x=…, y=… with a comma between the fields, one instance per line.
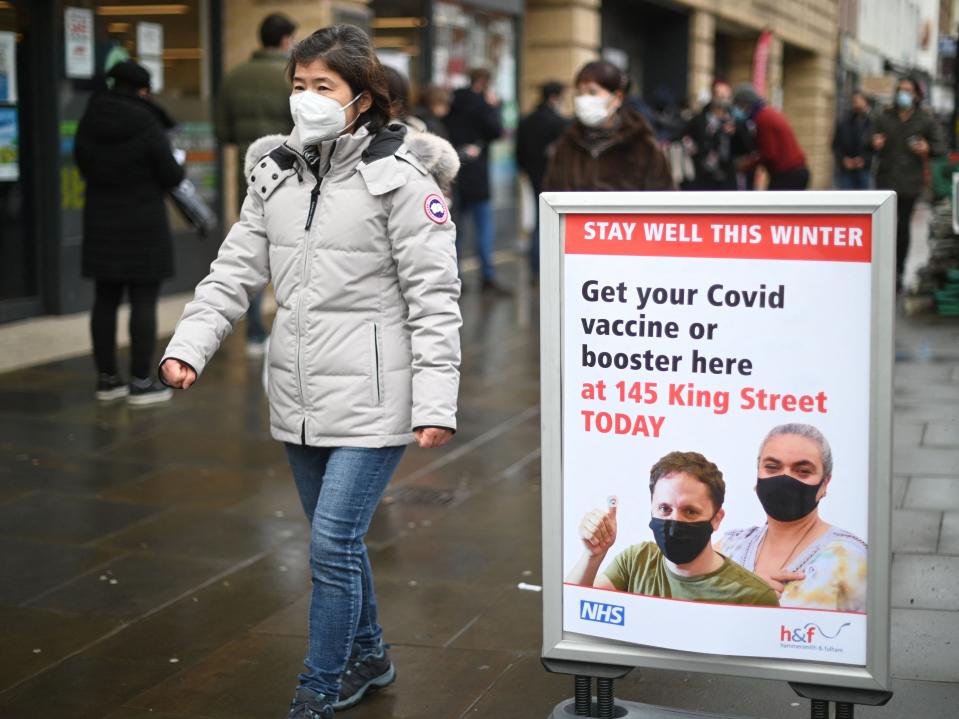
x=561, y=645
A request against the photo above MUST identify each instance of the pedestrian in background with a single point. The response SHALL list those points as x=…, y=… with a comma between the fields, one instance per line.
x=128, y=165
x=609, y=146
x=850, y=145
x=365, y=352
x=777, y=148
x=473, y=123
x=904, y=138
x=433, y=109
x=399, y=88
x=714, y=140
x=255, y=101
x=534, y=142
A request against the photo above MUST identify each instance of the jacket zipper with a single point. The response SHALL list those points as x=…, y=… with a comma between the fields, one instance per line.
x=376, y=365
x=314, y=196
x=304, y=283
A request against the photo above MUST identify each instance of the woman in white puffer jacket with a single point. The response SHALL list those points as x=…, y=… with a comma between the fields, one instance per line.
x=347, y=219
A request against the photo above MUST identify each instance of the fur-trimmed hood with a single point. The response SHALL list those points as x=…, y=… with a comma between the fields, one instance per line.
x=436, y=154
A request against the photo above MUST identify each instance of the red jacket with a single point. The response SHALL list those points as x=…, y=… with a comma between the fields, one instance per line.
x=779, y=151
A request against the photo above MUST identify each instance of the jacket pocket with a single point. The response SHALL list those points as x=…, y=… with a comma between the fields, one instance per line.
x=376, y=380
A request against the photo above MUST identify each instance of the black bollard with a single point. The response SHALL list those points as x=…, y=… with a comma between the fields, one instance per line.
x=582, y=695
x=604, y=698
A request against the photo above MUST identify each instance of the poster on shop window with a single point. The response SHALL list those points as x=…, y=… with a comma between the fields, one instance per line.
x=717, y=413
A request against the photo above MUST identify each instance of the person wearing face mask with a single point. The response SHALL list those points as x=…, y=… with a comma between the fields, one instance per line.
x=850, y=145
x=777, y=148
x=904, y=138
x=609, y=146
x=346, y=216
x=253, y=102
x=809, y=562
x=687, y=492
x=715, y=139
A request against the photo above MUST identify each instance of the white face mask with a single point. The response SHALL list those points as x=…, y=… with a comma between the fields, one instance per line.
x=591, y=110
x=318, y=117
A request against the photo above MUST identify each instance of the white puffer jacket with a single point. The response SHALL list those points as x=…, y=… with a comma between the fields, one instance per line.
x=365, y=343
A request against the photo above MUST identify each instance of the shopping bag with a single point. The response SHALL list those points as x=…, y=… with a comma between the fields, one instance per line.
x=193, y=208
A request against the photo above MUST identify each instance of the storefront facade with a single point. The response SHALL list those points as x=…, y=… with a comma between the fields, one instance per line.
x=429, y=41
x=54, y=55
x=716, y=38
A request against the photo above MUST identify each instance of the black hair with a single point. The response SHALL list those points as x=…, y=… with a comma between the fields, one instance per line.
x=274, y=28
x=552, y=89
x=348, y=52
x=399, y=89
x=605, y=74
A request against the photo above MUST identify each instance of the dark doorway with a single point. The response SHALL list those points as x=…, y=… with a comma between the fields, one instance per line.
x=654, y=39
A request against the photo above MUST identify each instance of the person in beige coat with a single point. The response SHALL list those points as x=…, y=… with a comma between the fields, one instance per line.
x=346, y=217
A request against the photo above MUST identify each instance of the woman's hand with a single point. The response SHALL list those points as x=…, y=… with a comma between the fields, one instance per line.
x=779, y=580
x=177, y=374
x=428, y=437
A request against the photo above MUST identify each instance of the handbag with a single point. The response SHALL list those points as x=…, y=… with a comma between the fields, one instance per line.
x=193, y=208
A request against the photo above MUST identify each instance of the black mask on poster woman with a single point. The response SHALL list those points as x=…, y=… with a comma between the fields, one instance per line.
x=681, y=542
x=785, y=498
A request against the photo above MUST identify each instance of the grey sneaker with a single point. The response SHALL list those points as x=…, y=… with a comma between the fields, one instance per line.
x=147, y=391
x=111, y=387
x=308, y=704
x=374, y=671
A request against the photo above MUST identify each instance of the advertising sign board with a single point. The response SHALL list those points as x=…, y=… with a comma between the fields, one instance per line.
x=716, y=383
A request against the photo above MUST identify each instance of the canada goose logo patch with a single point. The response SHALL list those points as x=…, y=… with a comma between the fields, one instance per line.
x=436, y=209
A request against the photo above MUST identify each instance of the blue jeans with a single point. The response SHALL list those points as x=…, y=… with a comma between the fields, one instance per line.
x=855, y=179
x=255, y=329
x=482, y=213
x=340, y=488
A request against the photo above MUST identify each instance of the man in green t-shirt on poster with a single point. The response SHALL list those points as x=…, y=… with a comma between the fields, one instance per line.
x=687, y=507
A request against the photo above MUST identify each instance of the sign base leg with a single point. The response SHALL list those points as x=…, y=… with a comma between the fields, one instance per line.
x=630, y=710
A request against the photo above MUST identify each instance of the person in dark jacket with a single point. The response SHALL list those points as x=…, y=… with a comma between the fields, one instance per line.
x=128, y=164
x=609, y=146
x=850, y=145
x=435, y=101
x=473, y=123
x=534, y=141
x=904, y=138
x=255, y=101
x=715, y=139
x=777, y=148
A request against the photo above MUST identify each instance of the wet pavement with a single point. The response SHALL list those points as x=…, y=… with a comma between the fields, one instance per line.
x=153, y=561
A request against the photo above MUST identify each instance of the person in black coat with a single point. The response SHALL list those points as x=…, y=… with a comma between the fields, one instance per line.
x=473, y=123
x=850, y=145
x=122, y=150
x=534, y=139
x=715, y=140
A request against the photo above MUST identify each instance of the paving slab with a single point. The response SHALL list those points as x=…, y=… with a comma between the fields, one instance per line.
x=61, y=517
x=915, y=530
x=926, y=460
x=942, y=434
x=925, y=582
x=925, y=644
x=949, y=538
x=81, y=688
x=935, y=493
x=130, y=586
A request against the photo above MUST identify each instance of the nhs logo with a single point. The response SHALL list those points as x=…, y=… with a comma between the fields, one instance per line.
x=599, y=612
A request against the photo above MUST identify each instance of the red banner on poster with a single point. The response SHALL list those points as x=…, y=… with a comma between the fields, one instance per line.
x=830, y=238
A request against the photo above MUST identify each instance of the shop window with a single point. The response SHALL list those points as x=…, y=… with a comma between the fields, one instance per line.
x=165, y=37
